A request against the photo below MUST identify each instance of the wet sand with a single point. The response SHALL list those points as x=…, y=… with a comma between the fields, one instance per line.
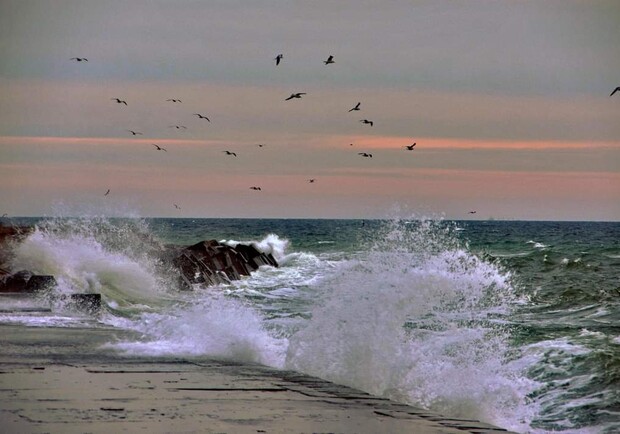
x=49, y=385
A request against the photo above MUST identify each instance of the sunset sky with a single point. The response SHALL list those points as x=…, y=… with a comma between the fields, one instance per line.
x=508, y=101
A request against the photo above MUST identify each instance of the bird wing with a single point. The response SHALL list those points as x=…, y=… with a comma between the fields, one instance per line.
x=615, y=90
x=290, y=97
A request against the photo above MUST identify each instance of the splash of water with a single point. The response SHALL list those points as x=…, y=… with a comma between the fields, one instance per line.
x=419, y=320
x=96, y=255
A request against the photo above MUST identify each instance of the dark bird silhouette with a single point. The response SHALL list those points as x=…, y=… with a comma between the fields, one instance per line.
x=410, y=147
x=260, y=145
x=79, y=59
x=119, y=101
x=159, y=148
x=174, y=100
x=230, y=153
x=365, y=154
x=366, y=121
x=357, y=107
x=278, y=59
x=202, y=117
x=295, y=95
x=311, y=181
x=615, y=90
x=107, y=192
x=176, y=206
x=329, y=60
x=255, y=188
x=472, y=212
x=350, y=144
x=178, y=127
x=135, y=133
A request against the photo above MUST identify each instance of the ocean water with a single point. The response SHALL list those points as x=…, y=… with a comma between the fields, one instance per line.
x=513, y=323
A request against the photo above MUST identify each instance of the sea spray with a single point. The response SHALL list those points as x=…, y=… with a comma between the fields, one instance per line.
x=419, y=319
x=217, y=326
x=95, y=255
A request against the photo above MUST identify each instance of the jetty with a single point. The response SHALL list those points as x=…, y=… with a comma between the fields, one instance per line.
x=80, y=387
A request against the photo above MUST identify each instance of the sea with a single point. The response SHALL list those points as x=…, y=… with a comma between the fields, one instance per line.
x=515, y=323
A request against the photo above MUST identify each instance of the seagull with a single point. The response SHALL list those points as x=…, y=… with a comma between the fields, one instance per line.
x=311, y=181
x=176, y=206
x=79, y=59
x=329, y=60
x=230, y=153
x=107, y=192
x=366, y=121
x=365, y=154
x=178, y=127
x=119, y=101
x=260, y=145
x=357, y=107
x=202, y=117
x=410, y=147
x=295, y=95
x=159, y=148
x=278, y=58
x=472, y=212
x=255, y=188
x=174, y=100
x=134, y=133
x=615, y=90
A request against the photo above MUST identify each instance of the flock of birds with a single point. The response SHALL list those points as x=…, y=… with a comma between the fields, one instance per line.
x=296, y=95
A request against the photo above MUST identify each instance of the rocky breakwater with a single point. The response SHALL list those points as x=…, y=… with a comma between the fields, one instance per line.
x=206, y=263
x=211, y=263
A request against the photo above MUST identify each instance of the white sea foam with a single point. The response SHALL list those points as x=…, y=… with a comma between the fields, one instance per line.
x=219, y=327
x=414, y=321
x=94, y=256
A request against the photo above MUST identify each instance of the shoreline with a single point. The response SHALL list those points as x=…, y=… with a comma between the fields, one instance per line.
x=48, y=385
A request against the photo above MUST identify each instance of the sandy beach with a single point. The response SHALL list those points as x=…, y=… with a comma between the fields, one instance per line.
x=47, y=385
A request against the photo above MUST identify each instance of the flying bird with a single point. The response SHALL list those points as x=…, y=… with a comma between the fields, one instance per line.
x=174, y=100
x=311, y=181
x=255, y=188
x=159, y=148
x=410, y=147
x=260, y=145
x=107, y=192
x=278, y=58
x=135, y=133
x=176, y=206
x=119, y=101
x=365, y=154
x=178, y=127
x=295, y=95
x=357, y=107
x=202, y=116
x=472, y=212
x=615, y=90
x=329, y=60
x=230, y=153
x=366, y=121
x=79, y=59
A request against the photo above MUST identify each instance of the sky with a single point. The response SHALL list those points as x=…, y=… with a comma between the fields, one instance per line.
x=508, y=103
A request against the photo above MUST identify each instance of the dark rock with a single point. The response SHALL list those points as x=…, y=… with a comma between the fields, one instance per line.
x=89, y=303
x=25, y=282
x=40, y=283
x=16, y=282
x=211, y=263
